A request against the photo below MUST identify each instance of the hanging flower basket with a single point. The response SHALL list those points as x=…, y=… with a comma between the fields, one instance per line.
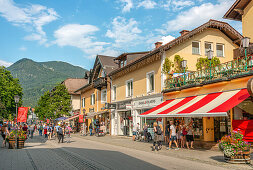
x=234, y=148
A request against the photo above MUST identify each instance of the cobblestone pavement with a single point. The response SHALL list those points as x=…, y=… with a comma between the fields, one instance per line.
x=99, y=153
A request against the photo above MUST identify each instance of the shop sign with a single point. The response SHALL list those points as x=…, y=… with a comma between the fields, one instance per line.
x=91, y=110
x=110, y=106
x=151, y=102
x=123, y=105
x=250, y=86
x=80, y=118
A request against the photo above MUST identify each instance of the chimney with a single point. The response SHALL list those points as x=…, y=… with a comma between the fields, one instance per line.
x=183, y=32
x=158, y=44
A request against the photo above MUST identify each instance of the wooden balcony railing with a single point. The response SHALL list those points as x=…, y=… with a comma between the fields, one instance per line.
x=100, y=83
x=237, y=68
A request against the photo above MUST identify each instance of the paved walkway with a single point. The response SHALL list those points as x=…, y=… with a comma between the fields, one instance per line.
x=104, y=153
x=200, y=155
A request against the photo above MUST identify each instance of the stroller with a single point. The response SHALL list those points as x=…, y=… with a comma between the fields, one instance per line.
x=139, y=136
x=149, y=137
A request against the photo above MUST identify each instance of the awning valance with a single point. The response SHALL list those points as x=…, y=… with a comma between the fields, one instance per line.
x=208, y=105
x=92, y=114
x=72, y=117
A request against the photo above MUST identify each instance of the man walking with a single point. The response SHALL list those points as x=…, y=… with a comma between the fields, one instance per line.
x=173, y=135
x=61, y=134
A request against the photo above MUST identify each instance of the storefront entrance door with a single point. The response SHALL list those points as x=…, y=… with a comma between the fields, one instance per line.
x=126, y=123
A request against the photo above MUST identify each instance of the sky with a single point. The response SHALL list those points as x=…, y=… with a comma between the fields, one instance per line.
x=75, y=31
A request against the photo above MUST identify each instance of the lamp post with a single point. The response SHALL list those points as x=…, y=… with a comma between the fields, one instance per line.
x=245, y=45
x=183, y=64
x=16, y=99
x=210, y=57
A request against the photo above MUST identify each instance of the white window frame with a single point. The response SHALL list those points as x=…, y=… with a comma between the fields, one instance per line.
x=206, y=42
x=148, y=82
x=83, y=102
x=199, y=48
x=92, y=99
x=131, y=91
x=114, y=92
x=102, y=91
x=223, y=49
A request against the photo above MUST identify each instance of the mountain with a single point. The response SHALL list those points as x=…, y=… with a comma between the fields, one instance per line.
x=38, y=77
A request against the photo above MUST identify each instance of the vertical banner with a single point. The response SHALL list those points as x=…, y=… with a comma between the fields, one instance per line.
x=48, y=121
x=22, y=114
x=80, y=118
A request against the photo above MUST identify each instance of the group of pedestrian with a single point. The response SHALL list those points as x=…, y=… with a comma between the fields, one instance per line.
x=180, y=134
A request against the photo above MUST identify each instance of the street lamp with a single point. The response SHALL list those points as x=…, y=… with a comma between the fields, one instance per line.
x=16, y=99
x=210, y=57
x=183, y=64
x=245, y=45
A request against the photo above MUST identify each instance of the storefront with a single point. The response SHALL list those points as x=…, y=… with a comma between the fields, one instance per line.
x=210, y=113
x=122, y=117
x=143, y=104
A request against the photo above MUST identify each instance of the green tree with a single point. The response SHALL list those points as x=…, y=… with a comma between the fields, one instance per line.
x=9, y=87
x=54, y=104
x=3, y=110
x=204, y=63
x=167, y=65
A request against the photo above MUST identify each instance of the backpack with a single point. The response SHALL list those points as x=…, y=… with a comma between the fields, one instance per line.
x=60, y=131
x=159, y=130
x=49, y=129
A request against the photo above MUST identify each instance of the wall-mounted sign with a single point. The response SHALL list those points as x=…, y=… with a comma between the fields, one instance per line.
x=123, y=105
x=110, y=106
x=91, y=110
x=250, y=87
x=150, y=102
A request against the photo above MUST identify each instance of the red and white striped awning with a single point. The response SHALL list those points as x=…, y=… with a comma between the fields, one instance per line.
x=209, y=105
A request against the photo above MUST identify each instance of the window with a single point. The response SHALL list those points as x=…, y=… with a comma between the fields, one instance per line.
x=150, y=82
x=92, y=99
x=121, y=64
x=129, y=90
x=103, y=73
x=196, y=47
x=208, y=46
x=125, y=62
x=220, y=50
x=83, y=102
x=103, y=95
x=113, y=92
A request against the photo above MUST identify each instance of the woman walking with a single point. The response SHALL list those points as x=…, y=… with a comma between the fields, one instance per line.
x=4, y=132
x=67, y=132
x=189, y=136
x=157, y=137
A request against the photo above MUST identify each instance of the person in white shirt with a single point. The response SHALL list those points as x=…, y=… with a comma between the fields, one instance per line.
x=135, y=129
x=173, y=135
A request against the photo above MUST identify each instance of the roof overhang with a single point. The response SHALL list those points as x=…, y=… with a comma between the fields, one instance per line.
x=235, y=12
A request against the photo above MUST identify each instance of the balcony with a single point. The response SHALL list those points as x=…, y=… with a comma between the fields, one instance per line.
x=240, y=67
x=100, y=82
x=240, y=52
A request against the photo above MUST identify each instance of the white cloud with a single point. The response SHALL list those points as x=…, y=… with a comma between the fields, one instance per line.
x=22, y=48
x=80, y=36
x=32, y=17
x=5, y=63
x=147, y=4
x=125, y=33
x=197, y=15
x=166, y=39
x=127, y=5
x=176, y=5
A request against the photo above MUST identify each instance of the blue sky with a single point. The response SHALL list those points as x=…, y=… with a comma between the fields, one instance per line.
x=75, y=31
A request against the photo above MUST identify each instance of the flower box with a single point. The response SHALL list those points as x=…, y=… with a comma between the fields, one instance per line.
x=12, y=143
x=239, y=157
x=20, y=143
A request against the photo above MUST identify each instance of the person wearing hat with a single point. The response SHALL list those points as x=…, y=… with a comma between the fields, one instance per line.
x=4, y=132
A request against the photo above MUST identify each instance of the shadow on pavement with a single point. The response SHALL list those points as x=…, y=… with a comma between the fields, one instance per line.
x=218, y=158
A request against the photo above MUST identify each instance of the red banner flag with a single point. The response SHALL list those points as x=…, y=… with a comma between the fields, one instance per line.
x=80, y=118
x=48, y=121
x=22, y=114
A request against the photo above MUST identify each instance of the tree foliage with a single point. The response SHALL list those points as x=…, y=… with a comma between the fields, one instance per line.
x=9, y=87
x=203, y=63
x=176, y=66
x=54, y=104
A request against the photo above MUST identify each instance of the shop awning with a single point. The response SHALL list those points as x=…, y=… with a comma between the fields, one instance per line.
x=72, y=117
x=209, y=105
x=92, y=114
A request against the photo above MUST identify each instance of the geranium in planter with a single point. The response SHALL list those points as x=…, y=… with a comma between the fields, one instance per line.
x=10, y=138
x=235, y=149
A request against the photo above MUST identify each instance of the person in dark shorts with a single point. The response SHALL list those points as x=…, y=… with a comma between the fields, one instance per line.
x=167, y=133
x=189, y=136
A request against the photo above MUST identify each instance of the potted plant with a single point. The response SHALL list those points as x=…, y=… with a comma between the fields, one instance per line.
x=21, y=137
x=10, y=138
x=235, y=149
